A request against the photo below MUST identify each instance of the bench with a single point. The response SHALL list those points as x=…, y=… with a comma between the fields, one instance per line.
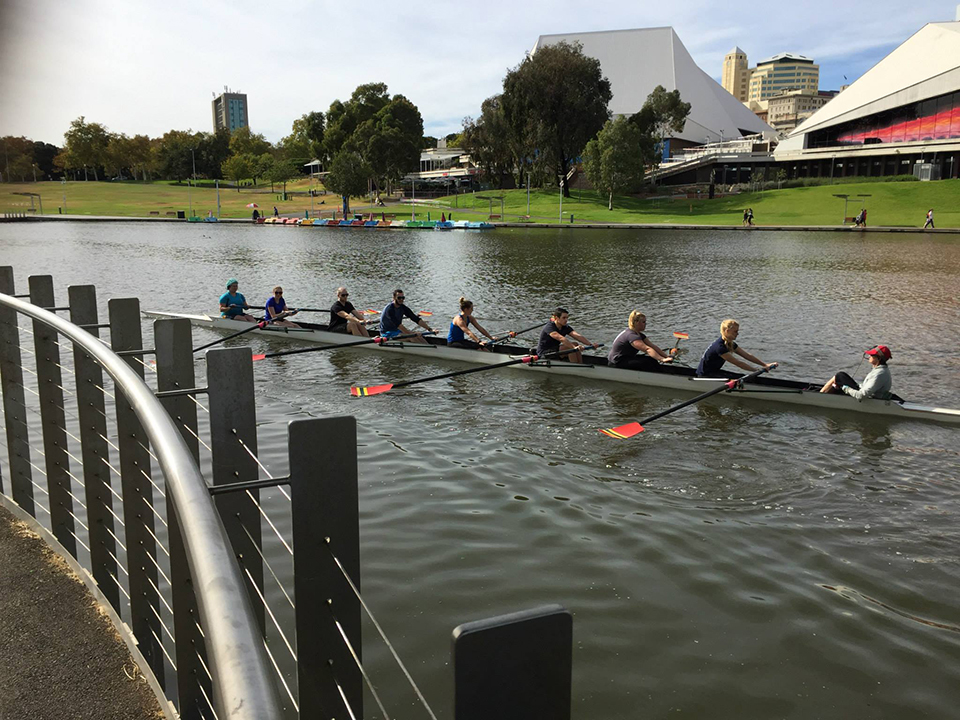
x=155, y=212
x=494, y=217
x=171, y=213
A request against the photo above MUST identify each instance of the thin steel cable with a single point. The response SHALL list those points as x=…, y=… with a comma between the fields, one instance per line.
x=107, y=463
x=343, y=696
x=159, y=594
x=257, y=461
x=162, y=623
x=265, y=561
x=280, y=675
x=107, y=441
x=70, y=493
x=115, y=538
x=356, y=659
x=119, y=564
x=190, y=430
x=155, y=486
x=200, y=685
x=160, y=643
x=276, y=624
x=105, y=392
x=149, y=451
x=383, y=635
x=85, y=527
x=40, y=487
x=159, y=569
x=85, y=547
x=64, y=367
x=156, y=514
x=200, y=630
x=115, y=516
x=199, y=404
x=157, y=541
x=151, y=368
x=269, y=522
x=200, y=658
x=119, y=585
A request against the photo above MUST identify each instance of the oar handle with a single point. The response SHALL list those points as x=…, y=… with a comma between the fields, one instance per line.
x=258, y=326
x=513, y=334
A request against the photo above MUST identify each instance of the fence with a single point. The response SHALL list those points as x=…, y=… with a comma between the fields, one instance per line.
x=105, y=442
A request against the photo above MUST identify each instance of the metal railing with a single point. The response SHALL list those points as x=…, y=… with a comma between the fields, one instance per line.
x=242, y=606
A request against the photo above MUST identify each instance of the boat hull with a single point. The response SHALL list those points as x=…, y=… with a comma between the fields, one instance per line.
x=680, y=379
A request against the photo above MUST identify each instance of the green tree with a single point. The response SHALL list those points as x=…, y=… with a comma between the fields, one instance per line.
x=556, y=100
x=22, y=167
x=260, y=166
x=348, y=176
x=305, y=141
x=236, y=168
x=428, y=141
x=662, y=113
x=494, y=145
x=245, y=142
x=390, y=142
x=212, y=149
x=119, y=155
x=343, y=118
x=13, y=149
x=282, y=171
x=87, y=145
x=43, y=155
x=614, y=160
x=173, y=156
x=139, y=155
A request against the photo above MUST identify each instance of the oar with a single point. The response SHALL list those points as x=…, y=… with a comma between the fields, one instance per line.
x=258, y=326
x=365, y=341
x=326, y=310
x=676, y=345
x=513, y=334
x=358, y=391
x=630, y=429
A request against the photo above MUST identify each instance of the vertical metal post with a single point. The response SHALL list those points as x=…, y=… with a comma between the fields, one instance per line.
x=326, y=523
x=514, y=666
x=52, y=419
x=233, y=419
x=14, y=408
x=174, y=344
x=138, y=518
x=93, y=446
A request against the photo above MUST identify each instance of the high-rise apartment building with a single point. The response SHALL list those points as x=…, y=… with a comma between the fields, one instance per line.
x=736, y=74
x=230, y=111
x=780, y=73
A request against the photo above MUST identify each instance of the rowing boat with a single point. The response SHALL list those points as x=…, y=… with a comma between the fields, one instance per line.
x=678, y=378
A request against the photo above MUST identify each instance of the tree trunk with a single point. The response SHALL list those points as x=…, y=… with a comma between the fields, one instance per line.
x=610, y=201
x=85, y=178
x=96, y=178
x=346, y=206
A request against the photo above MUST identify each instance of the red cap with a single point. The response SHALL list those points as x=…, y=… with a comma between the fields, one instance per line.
x=880, y=350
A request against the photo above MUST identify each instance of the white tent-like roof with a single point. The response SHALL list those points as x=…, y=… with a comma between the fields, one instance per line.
x=926, y=65
x=636, y=61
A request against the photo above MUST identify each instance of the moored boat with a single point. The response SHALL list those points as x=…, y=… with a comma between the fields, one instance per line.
x=678, y=378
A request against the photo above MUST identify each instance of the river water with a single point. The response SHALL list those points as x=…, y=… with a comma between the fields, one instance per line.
x=737, y=560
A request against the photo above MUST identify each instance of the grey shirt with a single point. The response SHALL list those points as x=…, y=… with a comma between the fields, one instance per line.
x=876, y=384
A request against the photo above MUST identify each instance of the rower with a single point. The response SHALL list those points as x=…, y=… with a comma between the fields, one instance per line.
x=276, y=311
x=724, y=349
x=345, y=318
x=391, y=319
x=633, y=351
x=460, y=326
x=233, y=304
x=876, y=384
x=553, y=337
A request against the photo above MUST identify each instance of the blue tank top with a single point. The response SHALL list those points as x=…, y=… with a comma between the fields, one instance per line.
x=456, y=334
x=712, y=359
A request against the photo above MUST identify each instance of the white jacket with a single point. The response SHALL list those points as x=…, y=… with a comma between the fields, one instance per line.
x=876, y=384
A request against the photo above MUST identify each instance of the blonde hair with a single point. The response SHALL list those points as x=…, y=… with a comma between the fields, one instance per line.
x=635, y=315
x=278, y=289
x=464, y=303
x=725, y=331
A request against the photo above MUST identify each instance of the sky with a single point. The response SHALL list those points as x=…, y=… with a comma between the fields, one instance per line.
x=146, y=67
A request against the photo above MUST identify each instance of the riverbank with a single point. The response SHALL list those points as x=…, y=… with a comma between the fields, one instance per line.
x=889, y=205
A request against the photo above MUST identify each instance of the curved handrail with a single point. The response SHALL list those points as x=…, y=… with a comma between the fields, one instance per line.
x=242, y=686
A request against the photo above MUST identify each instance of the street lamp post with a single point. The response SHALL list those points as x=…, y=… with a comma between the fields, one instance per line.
x=560, y=218
x=193, y=159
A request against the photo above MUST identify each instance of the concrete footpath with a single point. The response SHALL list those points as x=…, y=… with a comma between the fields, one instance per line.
x=60, y=656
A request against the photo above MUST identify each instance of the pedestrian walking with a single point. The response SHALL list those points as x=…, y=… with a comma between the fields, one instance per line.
x=276, y=213
x=929, y=222
x=744, y=217
x=749, y=216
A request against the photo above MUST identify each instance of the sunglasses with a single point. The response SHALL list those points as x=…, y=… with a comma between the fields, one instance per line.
x=401, y=298
x=343, y=294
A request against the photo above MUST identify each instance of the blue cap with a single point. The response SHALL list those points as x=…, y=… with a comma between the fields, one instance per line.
x=232, y=281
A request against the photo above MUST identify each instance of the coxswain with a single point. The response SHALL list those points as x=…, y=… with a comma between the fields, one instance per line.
x=553, y=337
x=633, y=351
x=391, y=319
x=233, y=304
x=725, y=349
x=460, y=329
x=345, y=318
x=276, y=311
x=877, y=383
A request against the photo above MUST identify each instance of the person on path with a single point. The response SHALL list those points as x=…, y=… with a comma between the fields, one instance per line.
x=929, y=222
x=276, y=213
x=233, y=304
x=460, y=329
x=861, y=220
x=744, y=217
x=877, y=383
x=345, y=318
x=725, y=349
x=750, y=216
x=553, y=337
x=633, y=351
x=256, y=214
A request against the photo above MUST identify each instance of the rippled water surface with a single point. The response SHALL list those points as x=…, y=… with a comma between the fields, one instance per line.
x=737, y=560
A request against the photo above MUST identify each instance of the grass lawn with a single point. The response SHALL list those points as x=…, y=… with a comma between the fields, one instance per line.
x=902, y=204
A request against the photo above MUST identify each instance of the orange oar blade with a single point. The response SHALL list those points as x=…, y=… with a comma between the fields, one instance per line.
x=258, y=357
x=371, y=312
x=425, y=313
x=681, y=336
x=624, y=431
x=357, y=391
